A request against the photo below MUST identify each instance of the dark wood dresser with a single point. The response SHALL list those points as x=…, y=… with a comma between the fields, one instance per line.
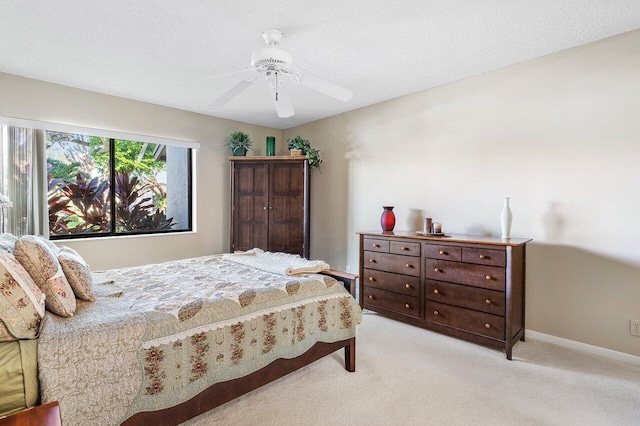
x=466, y=286
x=270, y=204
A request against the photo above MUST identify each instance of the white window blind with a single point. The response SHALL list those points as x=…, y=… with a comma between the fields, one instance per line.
x=43, y=125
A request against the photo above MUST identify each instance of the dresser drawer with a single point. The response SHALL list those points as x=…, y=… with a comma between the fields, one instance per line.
x=397, y=283
x=435, y=251
x=465, y=319
x=372, y=244
x=479, y=299
x=405, y=248
x=407, y=265
x=399, y=303
x=491, y=277
x=484, y=256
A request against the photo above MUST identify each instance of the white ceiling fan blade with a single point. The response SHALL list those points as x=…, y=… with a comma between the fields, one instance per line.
x=322, y=86
x=231, y=93
x=212, y=77
x=281, y=100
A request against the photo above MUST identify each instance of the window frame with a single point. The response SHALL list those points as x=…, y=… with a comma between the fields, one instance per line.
x=112, y=201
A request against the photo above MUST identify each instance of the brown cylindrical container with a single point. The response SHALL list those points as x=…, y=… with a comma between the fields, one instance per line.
x=427, y=225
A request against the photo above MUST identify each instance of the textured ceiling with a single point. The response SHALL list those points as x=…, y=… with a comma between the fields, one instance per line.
x=163, y=51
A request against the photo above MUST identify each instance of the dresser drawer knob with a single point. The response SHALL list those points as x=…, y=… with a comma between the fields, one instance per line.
x=406, y=305
x=441, y=252
x=376, y=245
x=407, y=286
x=372, y=261
x=487, y=277
x=264, y=208
x=371, y=296
x=436, y=270
x=408, y=265
x=404, y=248
x=436, y=291
x=436, y=313
x=487, y=325
x=488, y=301
x=371, y=279
x=482, y=256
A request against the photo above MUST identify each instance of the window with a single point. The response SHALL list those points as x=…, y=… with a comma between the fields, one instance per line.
x=101, y=186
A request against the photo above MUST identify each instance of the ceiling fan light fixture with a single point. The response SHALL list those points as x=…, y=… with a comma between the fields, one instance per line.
x=270, y=56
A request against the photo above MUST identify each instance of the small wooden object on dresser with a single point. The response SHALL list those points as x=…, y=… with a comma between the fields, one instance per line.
x=465, y=286
x=40, y=415
x=270, y=204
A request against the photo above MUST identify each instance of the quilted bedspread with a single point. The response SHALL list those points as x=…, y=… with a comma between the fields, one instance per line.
x=160, y=334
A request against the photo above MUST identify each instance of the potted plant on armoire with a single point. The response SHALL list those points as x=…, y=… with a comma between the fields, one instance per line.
x=239, y=143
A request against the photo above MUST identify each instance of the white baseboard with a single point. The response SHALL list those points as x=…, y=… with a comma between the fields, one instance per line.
x=583, y=347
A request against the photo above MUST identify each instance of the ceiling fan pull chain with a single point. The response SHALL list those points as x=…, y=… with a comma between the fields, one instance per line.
x=276, y=86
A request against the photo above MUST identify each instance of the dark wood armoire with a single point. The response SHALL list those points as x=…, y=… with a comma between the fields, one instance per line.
x=270, y=204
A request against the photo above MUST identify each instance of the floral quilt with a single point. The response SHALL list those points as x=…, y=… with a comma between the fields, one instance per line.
x=172, y=330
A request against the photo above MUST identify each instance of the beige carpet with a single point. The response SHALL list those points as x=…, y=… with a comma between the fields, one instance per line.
x=407, y=375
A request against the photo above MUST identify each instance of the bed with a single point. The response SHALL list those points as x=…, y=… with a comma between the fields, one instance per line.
x=166, y=342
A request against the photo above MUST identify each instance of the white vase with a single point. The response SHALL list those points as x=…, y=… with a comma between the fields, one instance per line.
x=505, y=219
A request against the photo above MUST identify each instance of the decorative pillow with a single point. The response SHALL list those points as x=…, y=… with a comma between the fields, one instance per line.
x=7, y=242
x=21, y=301
x=44, y=268
x=5, y=335
x=77, y=272
x=54, y=248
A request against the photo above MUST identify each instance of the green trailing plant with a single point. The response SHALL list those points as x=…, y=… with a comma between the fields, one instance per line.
x=312, y=154
x=239, y=142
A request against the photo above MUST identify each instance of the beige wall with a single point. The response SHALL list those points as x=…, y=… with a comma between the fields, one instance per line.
x=36, y=100
x=559, y=134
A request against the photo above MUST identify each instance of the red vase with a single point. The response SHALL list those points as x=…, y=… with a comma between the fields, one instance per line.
x=388, y=219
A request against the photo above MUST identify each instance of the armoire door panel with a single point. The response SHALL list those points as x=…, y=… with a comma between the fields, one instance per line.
x=251, y=217
x=286, y=215
x=251, y=208
x=287, y=208
x=250, y=235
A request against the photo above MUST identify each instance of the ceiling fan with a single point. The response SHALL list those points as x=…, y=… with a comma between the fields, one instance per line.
x=274, y=64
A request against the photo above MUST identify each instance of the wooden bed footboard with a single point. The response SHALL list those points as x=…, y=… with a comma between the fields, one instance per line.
x=346, y=278
x=221, y=393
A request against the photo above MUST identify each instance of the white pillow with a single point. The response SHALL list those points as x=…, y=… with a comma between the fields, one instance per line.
x=7, y=243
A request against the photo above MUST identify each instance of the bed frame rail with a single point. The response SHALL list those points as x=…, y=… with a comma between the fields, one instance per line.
x=220, y=393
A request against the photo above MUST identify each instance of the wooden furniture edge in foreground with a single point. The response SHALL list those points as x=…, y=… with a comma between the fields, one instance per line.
x=223, y=392
x=347, y=278
x=40, y=415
